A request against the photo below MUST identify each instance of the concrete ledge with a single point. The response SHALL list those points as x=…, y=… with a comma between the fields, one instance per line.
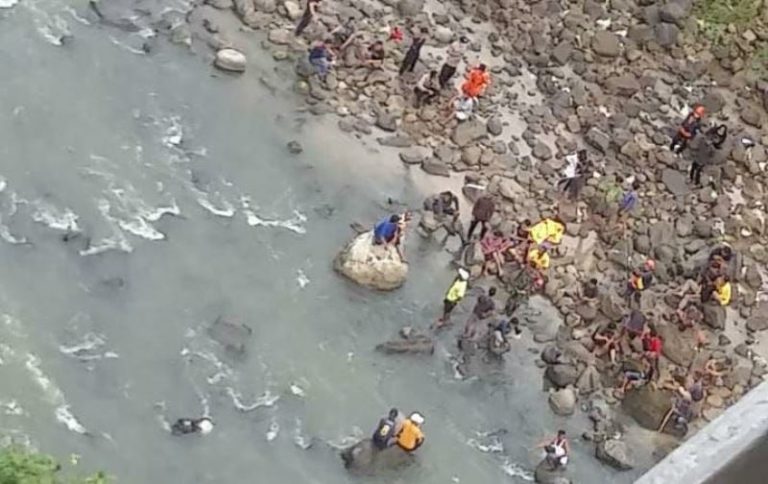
x=731, y=449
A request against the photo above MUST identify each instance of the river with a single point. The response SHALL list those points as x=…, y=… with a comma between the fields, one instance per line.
x=143, y=196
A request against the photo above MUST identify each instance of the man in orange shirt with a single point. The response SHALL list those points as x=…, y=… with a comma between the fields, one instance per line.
x=477, y=81
x=410, y=436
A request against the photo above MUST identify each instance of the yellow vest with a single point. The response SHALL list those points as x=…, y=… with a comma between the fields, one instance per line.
x=723, y=294
x=457, y=291
x=410, y=436
x=547, y=230
x=538, y=259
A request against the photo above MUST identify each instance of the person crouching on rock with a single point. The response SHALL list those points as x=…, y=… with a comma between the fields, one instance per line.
x=386, y=433
x=639, y=281
x=387, y=233
x=688, y=130
x=426, y=89
x=184, y=426
x=455, y=294
x=557, y=451
x=410, y=437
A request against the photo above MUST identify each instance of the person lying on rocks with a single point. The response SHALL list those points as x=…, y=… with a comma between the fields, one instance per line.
x=538, y=261
x=460, y=107
x=321, y=58
x=478, y=80
x=376, y=55
x=426, y=89
x=690, y=127
x=493, y=246
x=715, y=368
x=688, y=314
x=635, y=378
x=556, y=451
x=455, y=294
x=639, y=280
x=482, y=212
x=606, y=341
x=310, y=13
x=484, y=308
x=343, y=34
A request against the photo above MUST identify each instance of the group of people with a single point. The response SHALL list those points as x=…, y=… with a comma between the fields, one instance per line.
x=395, y=429
x=428, y=86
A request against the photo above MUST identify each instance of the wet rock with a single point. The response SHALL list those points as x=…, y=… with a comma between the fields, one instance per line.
x=606, y=44
x=294, y=147
x=714, y=315
x=562, y=375
x=373, y=266
x=589, y=381
x=495, y=126
x=623, y=85
x=563, y=401
x=387, y=122
x=232, y=336
x=545, y=474
x=615, y=453
x=433, y=166
x=469, y=132
x=364, y=459
x=415, y=155
x=413, y=345
x=598, y=139
x=647, y=406
x=551, y=355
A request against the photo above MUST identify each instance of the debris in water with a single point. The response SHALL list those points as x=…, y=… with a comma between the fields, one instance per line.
x=297, y=390
x=274, y=430
x=266, y=400
x=513, y=469
x=302, y=279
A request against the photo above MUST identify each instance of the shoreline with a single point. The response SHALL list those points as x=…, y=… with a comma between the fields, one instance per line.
x=499, y=173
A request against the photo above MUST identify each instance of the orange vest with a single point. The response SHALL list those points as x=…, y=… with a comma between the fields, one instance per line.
x=476, y=83
x=410, y=436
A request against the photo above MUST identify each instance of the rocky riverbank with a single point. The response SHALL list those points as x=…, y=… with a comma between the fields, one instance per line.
x=615, y=78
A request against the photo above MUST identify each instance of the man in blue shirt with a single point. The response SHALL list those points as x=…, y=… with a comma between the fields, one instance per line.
x=385, y=232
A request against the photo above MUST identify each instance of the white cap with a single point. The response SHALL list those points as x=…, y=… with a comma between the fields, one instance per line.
x=205, y=425
x=416, y=418
x=463, y=273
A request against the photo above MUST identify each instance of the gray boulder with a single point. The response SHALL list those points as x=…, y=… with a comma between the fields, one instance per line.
x=666, y=35
x=415, y=155
x=606, y=44
x=562, y=375
x=469, y=132
x=373, y=266
x=563, y=401
x=551, y=355
x=714, y=315
x=615, y=453
x=589, y=381
x=647, y=406
x=545, y=474
x=598, y=139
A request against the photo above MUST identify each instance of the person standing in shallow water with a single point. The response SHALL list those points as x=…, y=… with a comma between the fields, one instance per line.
x=455, y=294
x=310, y=11
x=414, y=52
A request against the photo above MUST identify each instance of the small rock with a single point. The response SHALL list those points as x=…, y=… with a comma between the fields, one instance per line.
x=495, y=126
x=230, y=60
x=415, y=155
x=606, y=44
x=387, y=122
x=433, y=166
x=294, y=147
x=598, y=139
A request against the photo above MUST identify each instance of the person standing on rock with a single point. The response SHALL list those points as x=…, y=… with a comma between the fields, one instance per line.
x=484, y=308
x=455, y=294
x=573, y=175
x=320, y=56
x=639, y=280
x=310, y=11
x=454, y=57
x=629, y=202
x=688, y=130
x=414, y=52
x=482, y=212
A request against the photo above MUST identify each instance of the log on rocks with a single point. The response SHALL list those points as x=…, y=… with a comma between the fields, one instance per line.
x=414, y=345
x=365, y=459
x=373, y=266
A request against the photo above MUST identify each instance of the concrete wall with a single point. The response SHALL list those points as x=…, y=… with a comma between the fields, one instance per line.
x=732, y=449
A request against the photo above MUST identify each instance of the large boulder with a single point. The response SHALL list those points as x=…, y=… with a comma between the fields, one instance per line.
x=647, y=406
x=373, y=266
x=679, y=346
x=545, y=474
x=615, y=453
x=230, y=60
x=562, y=375
x=365, y=459
x=589, y=381
x=563, y=401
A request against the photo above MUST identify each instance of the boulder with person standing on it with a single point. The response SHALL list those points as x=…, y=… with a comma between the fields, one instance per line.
x=374, y=266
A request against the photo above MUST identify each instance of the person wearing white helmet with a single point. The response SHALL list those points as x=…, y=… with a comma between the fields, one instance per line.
x=411, y=436
x=185, y=426
x=455, y=293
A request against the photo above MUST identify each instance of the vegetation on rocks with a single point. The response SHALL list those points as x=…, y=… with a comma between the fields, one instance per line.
x=741, y=23
x=22, y=466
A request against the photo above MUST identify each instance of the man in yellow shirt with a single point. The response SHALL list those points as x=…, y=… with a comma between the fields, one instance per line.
x=455, y=293
x=410, y=436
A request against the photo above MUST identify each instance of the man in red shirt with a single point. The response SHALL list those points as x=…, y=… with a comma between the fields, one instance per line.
x=652, y=346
